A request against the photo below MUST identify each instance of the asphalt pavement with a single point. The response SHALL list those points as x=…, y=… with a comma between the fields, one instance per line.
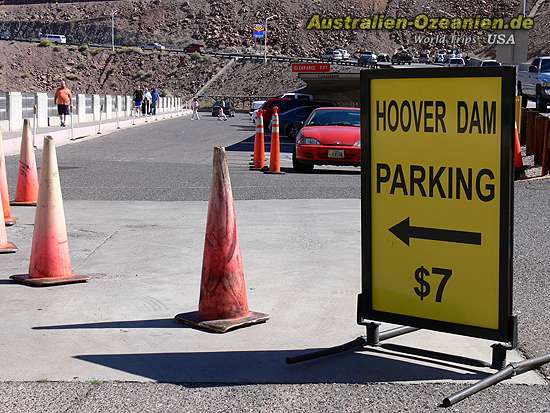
x=171, y=161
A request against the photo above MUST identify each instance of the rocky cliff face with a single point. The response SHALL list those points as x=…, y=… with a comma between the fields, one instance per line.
x=28, y=67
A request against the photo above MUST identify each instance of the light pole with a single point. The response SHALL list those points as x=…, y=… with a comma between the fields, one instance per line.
x=265, y=35
x=113, y=29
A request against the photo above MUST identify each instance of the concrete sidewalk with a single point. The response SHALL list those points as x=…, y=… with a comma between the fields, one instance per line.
x=63, y=136
x=302, y=262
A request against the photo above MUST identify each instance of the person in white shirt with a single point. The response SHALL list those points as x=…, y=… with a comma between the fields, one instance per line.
x=221, y=114
x=195, y=108
x=147, y=98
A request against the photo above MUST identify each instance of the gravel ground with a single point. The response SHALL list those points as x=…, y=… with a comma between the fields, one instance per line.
x=140, y=397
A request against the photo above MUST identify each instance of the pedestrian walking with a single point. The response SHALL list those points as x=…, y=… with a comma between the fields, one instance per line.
x=146, y=104
x=221, y=114
x=138, y=98
x=63, y=98
x=195, y=108
x=155, y=95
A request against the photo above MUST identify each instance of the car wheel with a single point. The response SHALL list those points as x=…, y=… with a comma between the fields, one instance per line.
x=540, y=102
x=300, y=166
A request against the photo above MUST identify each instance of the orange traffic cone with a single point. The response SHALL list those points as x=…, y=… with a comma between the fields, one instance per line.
x=223, y=304
x=275, y=153
x=518, y=161
x=26, y=192
x=259, y=144
x=5, y=245
x=50, y=259
x=4, y=194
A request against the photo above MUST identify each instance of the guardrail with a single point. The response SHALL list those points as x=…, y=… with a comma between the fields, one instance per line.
x=41, y=107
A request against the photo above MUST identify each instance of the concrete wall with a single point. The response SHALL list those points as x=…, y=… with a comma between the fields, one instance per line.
x=45, y=119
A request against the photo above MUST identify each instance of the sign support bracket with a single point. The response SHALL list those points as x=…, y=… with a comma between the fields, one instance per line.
x=374, y=338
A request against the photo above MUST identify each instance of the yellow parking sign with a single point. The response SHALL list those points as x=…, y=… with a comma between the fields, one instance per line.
x=437, y=199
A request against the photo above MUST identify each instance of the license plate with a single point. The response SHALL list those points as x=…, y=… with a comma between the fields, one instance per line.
x=335, y=153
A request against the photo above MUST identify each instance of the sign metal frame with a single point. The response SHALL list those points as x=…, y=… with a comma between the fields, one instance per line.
x=507, y=325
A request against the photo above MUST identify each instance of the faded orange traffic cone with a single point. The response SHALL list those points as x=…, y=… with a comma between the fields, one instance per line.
x=259, y=144
x=5, y=245
x=223, y=304
x=275, y=152
x=26, y=192
x=519, y=170
x=50, y=262
x=4, y=193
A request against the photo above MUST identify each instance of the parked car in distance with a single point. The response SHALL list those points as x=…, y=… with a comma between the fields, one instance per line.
x=54, y=38
x=254, y=107
x=332, y=55
x=330, y=136
x=456, y=62
x=291, y=121
x=193, y=47
x=154, y=46
x=440, y=56
x=401, y=57
x=490, y=63
x=345, y=53
x=367, y=58
x=383, y=58
x=297, y=95
x=534, y=83
x=228, y=108
x=257, y=104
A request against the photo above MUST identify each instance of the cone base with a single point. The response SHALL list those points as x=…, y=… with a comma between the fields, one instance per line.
x=253, y=168
x=274, y=172
x=23, y=203
x=25, y=279
x=10, y=221
x=8, y=248
x=221, y=326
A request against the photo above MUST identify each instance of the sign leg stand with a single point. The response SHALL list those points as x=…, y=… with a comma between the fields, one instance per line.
x=513, y=369
x=371, y=339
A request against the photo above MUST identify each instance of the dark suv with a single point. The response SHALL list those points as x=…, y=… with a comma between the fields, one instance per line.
x=401, y=58
x=228, y=108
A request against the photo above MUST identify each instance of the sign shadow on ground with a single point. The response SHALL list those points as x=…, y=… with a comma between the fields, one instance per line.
x=255, y=367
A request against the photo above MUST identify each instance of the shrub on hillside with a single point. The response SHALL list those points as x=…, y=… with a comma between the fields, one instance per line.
x=196, y=57
x=45, y=43
x=83, y=47
x=72, y=76
x=131, y=49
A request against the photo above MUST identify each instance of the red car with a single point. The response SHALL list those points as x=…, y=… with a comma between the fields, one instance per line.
x=330, y=136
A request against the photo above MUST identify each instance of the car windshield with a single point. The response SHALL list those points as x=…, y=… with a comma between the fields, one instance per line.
x=327, y=117
x=456, y=61
x=545, y=66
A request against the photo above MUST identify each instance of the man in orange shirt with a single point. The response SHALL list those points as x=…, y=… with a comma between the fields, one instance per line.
x=63, y=98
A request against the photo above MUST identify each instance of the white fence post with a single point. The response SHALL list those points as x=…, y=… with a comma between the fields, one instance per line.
x=15, y=115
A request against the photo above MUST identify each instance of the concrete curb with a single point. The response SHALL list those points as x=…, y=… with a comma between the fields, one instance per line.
x=63, y=136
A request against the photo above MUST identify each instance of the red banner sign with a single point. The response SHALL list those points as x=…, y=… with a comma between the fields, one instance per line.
x=311, y=67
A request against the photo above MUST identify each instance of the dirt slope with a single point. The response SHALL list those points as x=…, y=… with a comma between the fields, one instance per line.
x=28, y=67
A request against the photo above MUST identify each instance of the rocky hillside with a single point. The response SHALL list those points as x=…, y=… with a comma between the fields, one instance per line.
x=219, y=24
x=29, y=67
x=222, y=24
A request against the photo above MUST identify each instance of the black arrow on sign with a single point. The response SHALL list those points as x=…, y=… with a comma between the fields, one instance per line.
x=404, y=231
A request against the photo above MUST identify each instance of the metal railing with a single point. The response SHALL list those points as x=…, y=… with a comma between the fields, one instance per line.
x=4, y=108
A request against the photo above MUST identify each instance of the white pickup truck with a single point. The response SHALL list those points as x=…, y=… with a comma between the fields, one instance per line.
x=534, y=83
